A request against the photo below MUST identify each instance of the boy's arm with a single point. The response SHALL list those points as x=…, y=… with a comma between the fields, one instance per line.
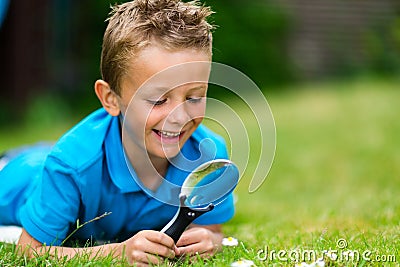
x=32, y=248
x=143, y=248
x=203, y=240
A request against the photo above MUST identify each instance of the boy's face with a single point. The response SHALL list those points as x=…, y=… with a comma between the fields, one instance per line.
x=163, y=100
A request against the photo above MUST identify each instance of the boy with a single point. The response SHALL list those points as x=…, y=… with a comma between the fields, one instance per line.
x=155, y=64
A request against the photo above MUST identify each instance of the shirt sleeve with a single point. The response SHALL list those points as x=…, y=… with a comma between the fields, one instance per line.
x=54, y=205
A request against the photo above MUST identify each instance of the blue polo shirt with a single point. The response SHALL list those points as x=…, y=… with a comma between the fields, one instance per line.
x=46, y=190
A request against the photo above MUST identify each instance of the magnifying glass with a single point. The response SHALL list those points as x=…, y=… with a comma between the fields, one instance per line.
x=205, y=187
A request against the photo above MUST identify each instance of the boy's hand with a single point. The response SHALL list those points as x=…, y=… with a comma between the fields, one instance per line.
x=149, y=247
x=200, y=240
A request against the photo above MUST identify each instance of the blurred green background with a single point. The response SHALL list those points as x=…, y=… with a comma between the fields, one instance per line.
x=50, y=49
x=329, y=69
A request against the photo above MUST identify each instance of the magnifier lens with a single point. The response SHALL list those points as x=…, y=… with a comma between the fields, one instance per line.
x=204, y=188
x=213, y=187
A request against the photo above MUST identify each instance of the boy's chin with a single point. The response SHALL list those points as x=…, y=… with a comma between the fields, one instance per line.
x=169, y=153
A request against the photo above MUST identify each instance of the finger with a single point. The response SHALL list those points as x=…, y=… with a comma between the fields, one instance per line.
x=160, y=238
x=193, y=236
x=157, y=243
x=205, y=246
x=160, y=250
x=191, y=250
x=188, y=238
x=176, y=251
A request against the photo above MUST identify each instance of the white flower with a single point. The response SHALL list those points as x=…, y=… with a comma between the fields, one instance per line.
x=242, y=263
x=230, y=241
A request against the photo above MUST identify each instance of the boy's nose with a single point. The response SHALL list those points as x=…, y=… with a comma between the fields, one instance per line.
x=179, y=115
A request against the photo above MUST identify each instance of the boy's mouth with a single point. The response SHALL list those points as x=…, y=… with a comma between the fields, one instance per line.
x=167, y=134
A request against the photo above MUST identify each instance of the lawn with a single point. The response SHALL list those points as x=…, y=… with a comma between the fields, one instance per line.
x=334, y=184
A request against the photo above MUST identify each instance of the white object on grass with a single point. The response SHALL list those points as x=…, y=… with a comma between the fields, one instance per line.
x=243, y=262
x=10, y=234
x=230, y=241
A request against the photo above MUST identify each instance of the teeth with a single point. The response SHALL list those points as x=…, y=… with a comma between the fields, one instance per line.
x=169, y=134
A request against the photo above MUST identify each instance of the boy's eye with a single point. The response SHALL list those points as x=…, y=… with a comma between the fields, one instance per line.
x=157, y=102
x=194, y=99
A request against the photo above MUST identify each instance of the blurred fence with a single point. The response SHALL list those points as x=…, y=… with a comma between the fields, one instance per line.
x=334, y=37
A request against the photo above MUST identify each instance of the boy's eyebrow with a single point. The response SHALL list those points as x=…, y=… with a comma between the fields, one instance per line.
x=150, y=90
x=164, y=89
x=199, y=87
x=161, y=89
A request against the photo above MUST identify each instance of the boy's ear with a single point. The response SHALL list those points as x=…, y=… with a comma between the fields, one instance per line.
x=107, y=97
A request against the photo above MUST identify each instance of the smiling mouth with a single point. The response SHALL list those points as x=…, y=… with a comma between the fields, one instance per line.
x=168, y=135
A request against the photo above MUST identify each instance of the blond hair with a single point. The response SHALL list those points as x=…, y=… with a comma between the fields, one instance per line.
x=134, y=25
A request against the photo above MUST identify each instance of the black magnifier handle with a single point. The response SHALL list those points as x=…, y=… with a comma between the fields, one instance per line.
x=183, y=218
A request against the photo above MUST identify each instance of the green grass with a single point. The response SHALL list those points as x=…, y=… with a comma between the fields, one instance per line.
x=336, y=175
